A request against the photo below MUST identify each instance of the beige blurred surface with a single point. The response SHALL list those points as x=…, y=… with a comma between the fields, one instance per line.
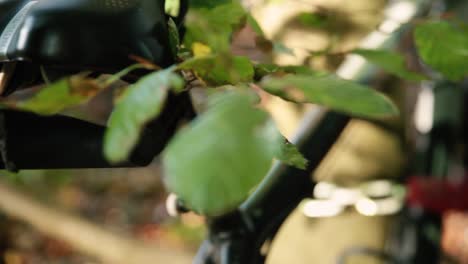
x=304, y=240
x=347, y=23
x=363, y=152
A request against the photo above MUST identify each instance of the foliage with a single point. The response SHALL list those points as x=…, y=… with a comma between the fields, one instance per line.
x=289, y=154
x=224, y=152
x=174, y=38
x=172, y=7
x=390, y=61
x=313, y=20
x=127, y=121
x=214, y=162
x=214, y=26
x=444, y=47
x=217, y=70
x=58, y=96
x=332, y=92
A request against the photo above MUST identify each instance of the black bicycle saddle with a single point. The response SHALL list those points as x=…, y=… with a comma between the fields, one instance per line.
x=90, y=34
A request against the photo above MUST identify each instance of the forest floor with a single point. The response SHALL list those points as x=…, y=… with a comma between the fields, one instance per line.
x=127, y=202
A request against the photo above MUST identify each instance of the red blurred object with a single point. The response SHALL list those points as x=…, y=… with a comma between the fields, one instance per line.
x=437, y=196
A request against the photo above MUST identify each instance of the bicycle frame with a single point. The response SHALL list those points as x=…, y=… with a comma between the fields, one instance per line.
x=243, y=236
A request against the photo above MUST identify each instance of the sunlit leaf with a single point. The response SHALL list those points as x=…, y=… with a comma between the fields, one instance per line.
x=214, y=26
x=389, y=61
x=200, y=50
x=443, y=47
x=66, y=93
x=58, y=96
x=331, y=92
x=140, y=103
x=213, y=164
x=172, y=7
x=217, y=70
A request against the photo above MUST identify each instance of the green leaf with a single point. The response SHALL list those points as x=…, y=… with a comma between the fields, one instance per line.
x=217, y=70
x=290, y=155
x=252, y=22
x=265, y=69
x=67, y=92
x=332, y=92
x=172, y=7
x=213, y=164
x=56, y=97
x=280, y=48
x=208, y=3
x=389, y=61
x=297, y=69
x=443, y=47
x=174, y=38
x=140, y=103
x=314, y=20
x=214, y=26
x=119, y=75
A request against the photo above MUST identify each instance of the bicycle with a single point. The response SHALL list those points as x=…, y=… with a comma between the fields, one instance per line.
x=234, y=238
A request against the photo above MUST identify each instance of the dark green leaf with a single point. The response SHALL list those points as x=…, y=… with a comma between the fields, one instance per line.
x=140, y=103
x=297, y=69
x=213, y=164
x=444, y=47
x=174, y=39
x=290, y=155
x=312, y=20
x=389, y=61
x=332, y=92
x=217, y=70
x=264, y=69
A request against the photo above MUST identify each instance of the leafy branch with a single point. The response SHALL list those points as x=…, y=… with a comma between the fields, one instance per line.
x=214, y=162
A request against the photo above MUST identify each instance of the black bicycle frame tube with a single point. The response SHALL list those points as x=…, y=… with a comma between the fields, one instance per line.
x=54, y=142
x=276, y=198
